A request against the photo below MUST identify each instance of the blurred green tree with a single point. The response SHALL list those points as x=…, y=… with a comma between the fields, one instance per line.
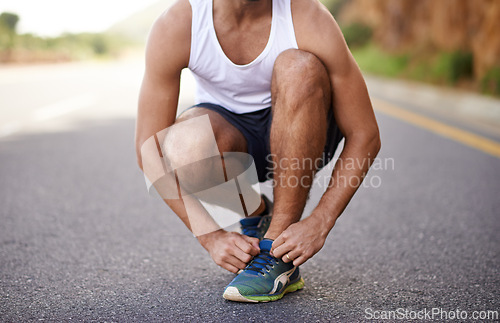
x=357, y=34
x=8, y=24
x=9, y=21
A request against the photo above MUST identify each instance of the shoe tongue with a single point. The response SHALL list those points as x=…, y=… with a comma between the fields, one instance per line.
x=266, y=244
x=260, y=261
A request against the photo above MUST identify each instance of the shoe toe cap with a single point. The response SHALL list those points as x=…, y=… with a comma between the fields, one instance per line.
x=233, y=294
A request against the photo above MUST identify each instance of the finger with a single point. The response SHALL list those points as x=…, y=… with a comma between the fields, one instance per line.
x=286, y=258
x=243, y=244
x=236, y=262
x=254, y=242
x=241, y=256
x=247, y=248
x=276, y=243
x=300, y=260
x=282, y=250
x=290, y=256
x=230, y=268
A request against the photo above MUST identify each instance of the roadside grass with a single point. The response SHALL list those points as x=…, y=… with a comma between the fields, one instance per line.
x=28, y=48
x=373, y=60
x=443, y=68
x=490, y=84
x=423, y=63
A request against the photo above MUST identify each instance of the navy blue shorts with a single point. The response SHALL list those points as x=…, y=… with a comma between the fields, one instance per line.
x=256, y=128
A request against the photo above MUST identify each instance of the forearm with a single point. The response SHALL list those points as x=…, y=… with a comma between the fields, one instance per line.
x=348, y=174
x=302, y=240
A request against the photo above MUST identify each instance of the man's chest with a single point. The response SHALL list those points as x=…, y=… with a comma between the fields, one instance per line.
x=243, y=45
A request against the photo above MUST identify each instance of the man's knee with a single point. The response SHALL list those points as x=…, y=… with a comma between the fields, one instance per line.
x=300, y=75
x=194, y=156
x=185, y=144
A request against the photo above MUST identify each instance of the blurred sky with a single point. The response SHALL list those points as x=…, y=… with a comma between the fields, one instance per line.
x=53, y=17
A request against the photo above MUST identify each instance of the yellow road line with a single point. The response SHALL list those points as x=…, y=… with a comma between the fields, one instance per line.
x=467, y=138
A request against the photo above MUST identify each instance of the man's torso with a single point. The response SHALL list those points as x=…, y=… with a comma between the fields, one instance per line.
x=242, y=41
x=232, y=58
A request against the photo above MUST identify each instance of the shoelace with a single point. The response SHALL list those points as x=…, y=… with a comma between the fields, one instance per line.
x=262, y=262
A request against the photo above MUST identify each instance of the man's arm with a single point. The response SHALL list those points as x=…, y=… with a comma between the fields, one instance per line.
x=355, y=117
x=167, y=54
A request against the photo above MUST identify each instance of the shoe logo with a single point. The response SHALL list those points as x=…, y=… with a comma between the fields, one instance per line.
x=282, y=280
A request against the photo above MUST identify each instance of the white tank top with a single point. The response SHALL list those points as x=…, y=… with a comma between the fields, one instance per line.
x=238, y=88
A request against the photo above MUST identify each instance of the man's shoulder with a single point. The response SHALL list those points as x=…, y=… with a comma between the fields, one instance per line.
x=313, y=24
x=306, y=9
x=170, y=38
x=177, y=17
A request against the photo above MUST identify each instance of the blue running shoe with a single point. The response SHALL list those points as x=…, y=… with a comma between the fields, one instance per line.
x=256, y=226
x=265, y=279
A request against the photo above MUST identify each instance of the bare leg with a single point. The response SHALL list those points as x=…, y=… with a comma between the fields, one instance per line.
x=228, y=139
x=301, y=95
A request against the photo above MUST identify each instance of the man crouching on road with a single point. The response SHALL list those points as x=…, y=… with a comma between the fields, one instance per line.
x=277, y=81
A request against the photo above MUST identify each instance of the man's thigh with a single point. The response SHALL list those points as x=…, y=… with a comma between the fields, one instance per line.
x=228, y=137
x=255, y=127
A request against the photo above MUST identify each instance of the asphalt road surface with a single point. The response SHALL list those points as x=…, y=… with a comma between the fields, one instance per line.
x=80, y=239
